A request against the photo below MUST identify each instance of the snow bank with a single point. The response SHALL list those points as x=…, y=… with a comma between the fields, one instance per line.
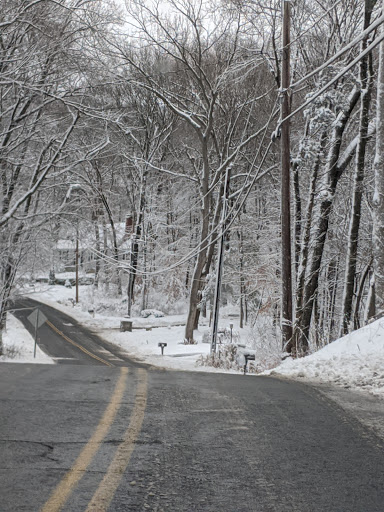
x=354, y=361
x=19, y=345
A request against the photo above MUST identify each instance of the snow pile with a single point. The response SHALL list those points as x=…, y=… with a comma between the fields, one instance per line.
x=354, y=361
x=18, y=345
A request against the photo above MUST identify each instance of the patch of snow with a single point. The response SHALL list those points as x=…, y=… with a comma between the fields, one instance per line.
x=19, y=345
x=354, y=361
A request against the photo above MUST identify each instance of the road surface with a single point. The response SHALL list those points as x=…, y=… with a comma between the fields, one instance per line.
x=91, y=437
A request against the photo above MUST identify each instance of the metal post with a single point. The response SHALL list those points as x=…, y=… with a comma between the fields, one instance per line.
x=77, y=264
x=130, y=279
x=216, y=302
x=286, y=263
x=36, y=327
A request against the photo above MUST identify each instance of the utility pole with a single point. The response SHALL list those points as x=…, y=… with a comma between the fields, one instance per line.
x=216, y=302
x=378, y=196
x=286, y=256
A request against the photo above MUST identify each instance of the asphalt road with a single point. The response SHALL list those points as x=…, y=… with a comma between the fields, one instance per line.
x=78, y=346
x=92, y=437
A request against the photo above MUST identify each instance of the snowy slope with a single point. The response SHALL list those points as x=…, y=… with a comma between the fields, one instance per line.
x=356, y=361
x=19, y=345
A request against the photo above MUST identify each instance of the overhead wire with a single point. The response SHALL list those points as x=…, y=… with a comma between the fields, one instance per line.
x=232, y=213
x=313, y=25
x=341, y=52
x=375, y=43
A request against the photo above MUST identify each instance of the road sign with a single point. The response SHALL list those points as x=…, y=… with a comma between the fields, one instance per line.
x=37, y=318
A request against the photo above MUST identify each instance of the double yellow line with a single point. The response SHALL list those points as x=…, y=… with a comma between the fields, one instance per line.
x=80, y=347
x=107, y=488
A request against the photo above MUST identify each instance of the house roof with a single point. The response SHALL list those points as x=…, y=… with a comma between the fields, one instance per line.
x=87, y=239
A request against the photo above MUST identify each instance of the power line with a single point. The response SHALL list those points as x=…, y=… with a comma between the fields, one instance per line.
x=313, y=25
x=335, y=79
x=341, y=52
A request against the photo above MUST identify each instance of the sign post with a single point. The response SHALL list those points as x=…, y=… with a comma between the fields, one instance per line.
x=37, y=319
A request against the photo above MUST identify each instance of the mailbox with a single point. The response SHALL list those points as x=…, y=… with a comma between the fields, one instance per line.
x=126, y=325
x=248, y=357
x=162, y=345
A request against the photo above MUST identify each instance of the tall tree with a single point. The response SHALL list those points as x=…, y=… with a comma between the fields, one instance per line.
x=366, y=85
x=39, y=77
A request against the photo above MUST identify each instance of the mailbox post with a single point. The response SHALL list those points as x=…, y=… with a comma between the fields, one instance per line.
x=126, y=325
x=248, y=357
x=162, y=345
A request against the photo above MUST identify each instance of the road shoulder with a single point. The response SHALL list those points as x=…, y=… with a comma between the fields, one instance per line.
x=365, y=408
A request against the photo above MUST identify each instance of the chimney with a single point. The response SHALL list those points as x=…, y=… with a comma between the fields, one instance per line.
x=128, y=226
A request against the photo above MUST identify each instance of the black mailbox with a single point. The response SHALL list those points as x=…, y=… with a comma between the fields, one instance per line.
x=248, y=357
x=162, y=345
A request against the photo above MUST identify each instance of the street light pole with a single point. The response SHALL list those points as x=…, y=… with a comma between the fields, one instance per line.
x=216, y=303
x=77, y=263
x=75, y=187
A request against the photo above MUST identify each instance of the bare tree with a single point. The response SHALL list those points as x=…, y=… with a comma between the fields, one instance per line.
x=366, y=84
x=190, y=64
x=39, y=97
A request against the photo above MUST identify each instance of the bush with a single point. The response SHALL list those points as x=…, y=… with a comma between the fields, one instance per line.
x=225, y=357
x=263, y=339
x=11, y=352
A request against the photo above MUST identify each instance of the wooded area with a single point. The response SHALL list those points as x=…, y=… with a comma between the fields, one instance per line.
x=153, y=131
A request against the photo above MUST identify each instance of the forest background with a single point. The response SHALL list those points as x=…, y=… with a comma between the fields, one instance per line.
x=139, y=133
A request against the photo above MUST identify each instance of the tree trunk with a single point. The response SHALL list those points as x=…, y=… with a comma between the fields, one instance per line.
x=145, y=277
x=98, y=249
x=105, y=252
x=305, y=243
x=366, y=83
x=196, y=285
x=135, y=244
x=194, y=295
x=370, y=309
x=331, y=178
x=359, y=296
x=242, y=283
x=333, y=280
x=298, y=202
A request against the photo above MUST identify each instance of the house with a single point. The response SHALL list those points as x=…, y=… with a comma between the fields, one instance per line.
x=65, y=250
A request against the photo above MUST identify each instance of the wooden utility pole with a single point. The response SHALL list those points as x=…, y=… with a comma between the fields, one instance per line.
x=286, y=263
x=378, y=196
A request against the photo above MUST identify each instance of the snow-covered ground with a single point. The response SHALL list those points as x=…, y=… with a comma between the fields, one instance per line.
x=140, y=343
x=19, y=345
x=354, y=361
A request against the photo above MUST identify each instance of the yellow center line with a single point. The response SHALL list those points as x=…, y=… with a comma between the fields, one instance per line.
x=72, y=477
x=77, y=344
x=108, y=486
